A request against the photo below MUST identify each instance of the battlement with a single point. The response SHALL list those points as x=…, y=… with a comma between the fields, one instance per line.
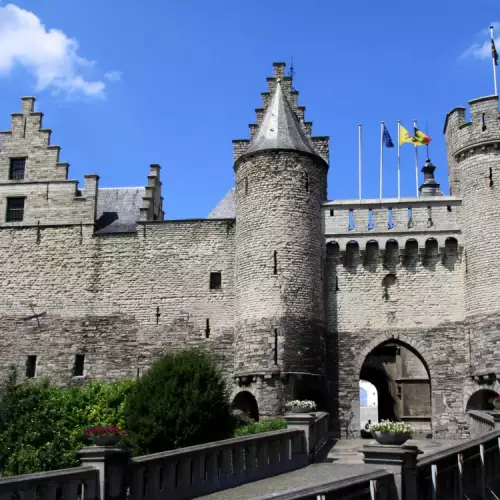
x=464, y=137
x=399, y=220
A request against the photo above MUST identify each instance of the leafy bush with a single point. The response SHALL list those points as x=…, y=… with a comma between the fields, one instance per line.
x=181, y=401
x=41, y=427
x=262, y=426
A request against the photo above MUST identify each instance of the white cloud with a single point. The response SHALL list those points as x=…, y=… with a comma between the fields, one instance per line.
x=113, y=76
x=49, y=54
x=482, y=49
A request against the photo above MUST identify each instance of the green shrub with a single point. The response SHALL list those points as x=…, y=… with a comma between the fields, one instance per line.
x=181, y=401
x=41, y=426
x=262, y=426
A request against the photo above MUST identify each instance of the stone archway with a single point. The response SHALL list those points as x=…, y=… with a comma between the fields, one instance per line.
x=245, y=401
x=403, y=383
x=479, y=400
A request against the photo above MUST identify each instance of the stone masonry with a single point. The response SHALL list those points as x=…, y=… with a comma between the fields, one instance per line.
x=293, y=294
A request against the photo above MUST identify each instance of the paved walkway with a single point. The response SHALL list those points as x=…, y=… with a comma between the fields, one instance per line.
x=344, y=461
x=346, y=451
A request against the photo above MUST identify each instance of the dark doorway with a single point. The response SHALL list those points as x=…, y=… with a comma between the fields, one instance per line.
x=403, y=385
x=246, y=402
x=479, y=400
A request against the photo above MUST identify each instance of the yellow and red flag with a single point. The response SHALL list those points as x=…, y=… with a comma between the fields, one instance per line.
x=417, y=139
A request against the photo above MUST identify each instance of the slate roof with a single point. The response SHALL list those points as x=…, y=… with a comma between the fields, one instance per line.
x=280, y=128
x=118, y=209
x=226, y=208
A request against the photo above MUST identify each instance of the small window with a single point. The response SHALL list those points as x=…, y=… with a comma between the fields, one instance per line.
x=275, y=262
x=31, y=367
x=79, y=365
x=331, y=212
x=15, y=210
x=207, y=328
x=17, y=167
x=215, y=281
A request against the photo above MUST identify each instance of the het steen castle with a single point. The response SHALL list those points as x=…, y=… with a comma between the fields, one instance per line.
x=296, y=296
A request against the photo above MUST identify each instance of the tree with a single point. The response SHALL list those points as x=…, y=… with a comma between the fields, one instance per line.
x=181, y=401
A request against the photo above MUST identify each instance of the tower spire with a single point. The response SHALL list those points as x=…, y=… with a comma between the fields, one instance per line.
x=280, y=128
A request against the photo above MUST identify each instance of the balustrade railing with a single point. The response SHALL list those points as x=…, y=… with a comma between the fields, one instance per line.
x=480, y=423
x=200, y=470
x=78, y=483
x=470, y=470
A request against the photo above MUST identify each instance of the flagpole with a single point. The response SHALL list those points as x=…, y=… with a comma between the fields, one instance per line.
x=381, y=156
x=359, y=160
x=493, y=61
x=416, y=158
x=399, y=164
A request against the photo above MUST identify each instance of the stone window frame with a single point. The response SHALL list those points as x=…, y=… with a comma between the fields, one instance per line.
x=215, y=280
x=14, y=170
x=31, y=366
x=79, y=365
x=12, y=213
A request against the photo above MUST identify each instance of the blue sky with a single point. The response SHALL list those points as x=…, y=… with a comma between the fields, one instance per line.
x=125, y=84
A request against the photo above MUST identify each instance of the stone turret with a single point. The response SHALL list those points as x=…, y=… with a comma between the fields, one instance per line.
x=474, y=170
x=280, y=185
x=429, y=187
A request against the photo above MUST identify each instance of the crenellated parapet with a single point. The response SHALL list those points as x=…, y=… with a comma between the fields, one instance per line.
x=320, y=143
x=465, y=138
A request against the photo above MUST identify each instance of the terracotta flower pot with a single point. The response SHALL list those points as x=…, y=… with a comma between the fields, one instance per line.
x=110, y=440
x=390, y=438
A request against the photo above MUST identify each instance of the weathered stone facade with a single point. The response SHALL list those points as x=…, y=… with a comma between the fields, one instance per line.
x=295, y=295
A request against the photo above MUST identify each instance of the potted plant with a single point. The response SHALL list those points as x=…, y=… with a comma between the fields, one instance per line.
x=298, y=406
x=105, y=435
x=392, y=433
x=495, y=402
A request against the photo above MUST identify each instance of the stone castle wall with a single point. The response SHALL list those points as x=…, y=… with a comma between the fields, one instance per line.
x=101, y=294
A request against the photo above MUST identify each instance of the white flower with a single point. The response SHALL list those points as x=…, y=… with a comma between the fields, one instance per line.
x=306, y=404
x=388, y=426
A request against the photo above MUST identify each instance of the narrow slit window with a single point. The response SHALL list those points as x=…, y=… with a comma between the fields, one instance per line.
x=275, y=262
x=390, y=219
x=215, y=281
x=275, y=346
x=31, y=367
x=307, y=182
x=448, y=208
x=246, y=185
x=491, y=177
x=337, y=289
x=332, y=213
x=352, y=226
x=370, y=220
x=410, y=217
x=79, y=365
x=207, y=328
x=483, y=118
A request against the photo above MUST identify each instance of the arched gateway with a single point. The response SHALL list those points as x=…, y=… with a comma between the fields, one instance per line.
x=403, y=384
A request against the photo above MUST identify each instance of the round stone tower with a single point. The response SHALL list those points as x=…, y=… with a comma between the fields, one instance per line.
x=280, y=314
x=474, y=172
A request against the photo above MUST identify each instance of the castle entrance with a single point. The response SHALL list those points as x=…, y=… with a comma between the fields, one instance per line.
x=403, y=385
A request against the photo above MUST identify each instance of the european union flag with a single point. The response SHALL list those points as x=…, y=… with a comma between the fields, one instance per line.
x=387, y=139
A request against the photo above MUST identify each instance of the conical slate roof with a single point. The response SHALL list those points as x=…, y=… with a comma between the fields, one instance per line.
x=280, y=128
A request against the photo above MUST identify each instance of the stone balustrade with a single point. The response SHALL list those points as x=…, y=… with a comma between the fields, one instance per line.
x=200, y=470
x=480, y=423
x=469, y=470
x=78, y=483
